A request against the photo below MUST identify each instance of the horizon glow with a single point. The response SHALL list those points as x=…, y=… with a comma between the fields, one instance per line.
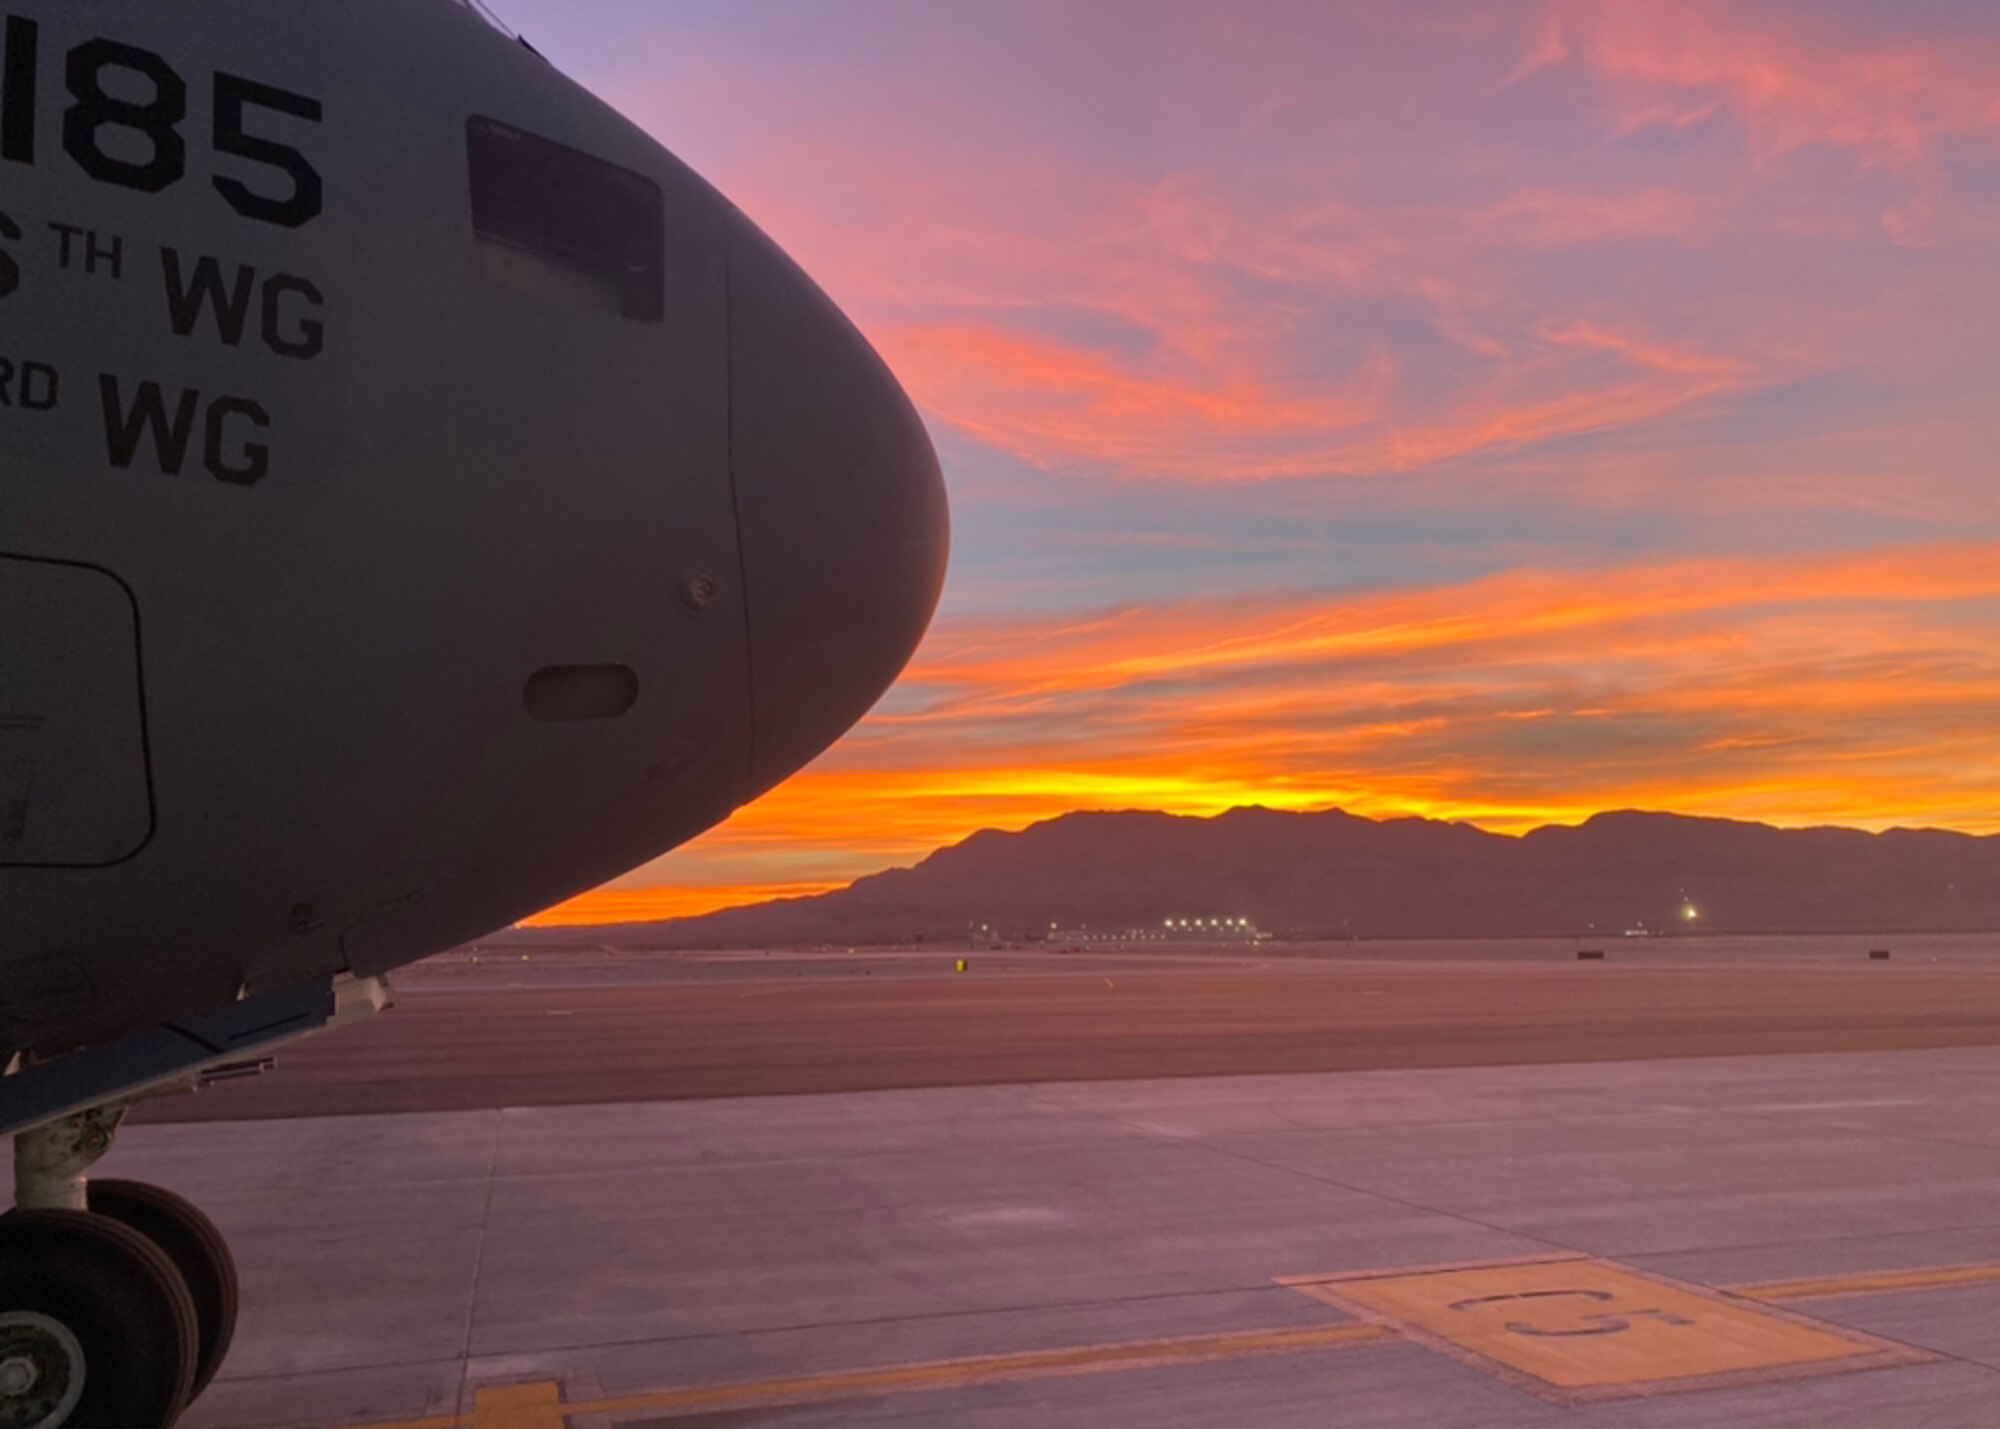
x=1503, y=410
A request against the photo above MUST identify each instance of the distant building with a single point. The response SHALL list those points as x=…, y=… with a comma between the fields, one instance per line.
x=1167, y=930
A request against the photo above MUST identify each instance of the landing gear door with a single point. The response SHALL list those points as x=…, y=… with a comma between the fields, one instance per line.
x=74, y=785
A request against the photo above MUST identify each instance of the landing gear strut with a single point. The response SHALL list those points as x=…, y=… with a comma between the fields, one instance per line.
x=117, y=1299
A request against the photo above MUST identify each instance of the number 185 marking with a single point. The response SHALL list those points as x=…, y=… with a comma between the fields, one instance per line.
x=156, y=120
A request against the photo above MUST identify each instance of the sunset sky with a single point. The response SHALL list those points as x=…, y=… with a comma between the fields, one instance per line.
x=1500, y=410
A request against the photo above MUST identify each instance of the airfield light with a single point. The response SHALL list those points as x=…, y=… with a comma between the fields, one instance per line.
x=1690, y=912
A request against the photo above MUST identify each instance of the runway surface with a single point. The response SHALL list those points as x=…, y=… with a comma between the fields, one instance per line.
x=1750, y=1241
x=1467, y=1188
x=590, y=1026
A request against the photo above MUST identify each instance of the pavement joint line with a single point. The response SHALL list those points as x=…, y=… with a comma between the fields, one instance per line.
x=1501, y=1262
x=479, y=1248
x=1208, y=1144
x=793, y=1327
x=1555, y=1248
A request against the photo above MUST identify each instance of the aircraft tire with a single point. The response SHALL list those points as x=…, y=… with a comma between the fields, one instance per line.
x=97, y=1329
x=199, y=1253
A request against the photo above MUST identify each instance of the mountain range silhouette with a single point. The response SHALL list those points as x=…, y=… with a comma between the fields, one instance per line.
x=1337, y=875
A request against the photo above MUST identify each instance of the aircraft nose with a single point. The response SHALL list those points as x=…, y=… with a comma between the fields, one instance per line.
x=841, y=510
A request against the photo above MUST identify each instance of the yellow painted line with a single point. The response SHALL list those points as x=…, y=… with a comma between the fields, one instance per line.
x=540, y=1405
x=997, y=1369
x=1888, y=1282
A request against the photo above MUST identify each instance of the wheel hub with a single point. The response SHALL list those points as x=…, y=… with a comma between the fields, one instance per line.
x=41, y=1372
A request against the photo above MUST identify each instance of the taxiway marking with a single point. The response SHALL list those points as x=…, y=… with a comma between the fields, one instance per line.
x=539, y=1405
x=1582, y=1329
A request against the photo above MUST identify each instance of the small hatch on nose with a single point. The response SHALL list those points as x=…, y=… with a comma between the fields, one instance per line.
x=559, y=694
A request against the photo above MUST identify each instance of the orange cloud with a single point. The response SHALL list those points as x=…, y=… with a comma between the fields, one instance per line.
x=1051, y=402
x=1008, y=660
x=1856, y=689
x=1039, y=399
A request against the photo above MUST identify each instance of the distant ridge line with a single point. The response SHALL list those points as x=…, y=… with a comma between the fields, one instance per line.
x=1333, y=874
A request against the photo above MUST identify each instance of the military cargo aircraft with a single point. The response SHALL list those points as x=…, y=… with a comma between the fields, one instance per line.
x=422, y=498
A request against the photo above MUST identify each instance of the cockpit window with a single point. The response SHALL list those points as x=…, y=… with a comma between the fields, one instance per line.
x=556, y=222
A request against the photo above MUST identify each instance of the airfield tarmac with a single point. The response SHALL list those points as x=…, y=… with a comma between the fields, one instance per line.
x=508, y=1026
x=1348, y=1186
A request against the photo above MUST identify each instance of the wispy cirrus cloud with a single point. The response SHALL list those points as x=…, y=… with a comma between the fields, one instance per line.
x=1792, y=75
x=1277, y=321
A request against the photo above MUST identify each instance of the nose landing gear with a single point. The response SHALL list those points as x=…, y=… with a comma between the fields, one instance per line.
x=111, y=1317
x=117, y=1300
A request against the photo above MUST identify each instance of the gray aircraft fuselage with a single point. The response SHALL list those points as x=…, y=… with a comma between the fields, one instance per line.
x=422, y=498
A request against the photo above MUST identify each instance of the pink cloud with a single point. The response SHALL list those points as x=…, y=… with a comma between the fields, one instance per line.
x=1791, y=81
x=1276, y=320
